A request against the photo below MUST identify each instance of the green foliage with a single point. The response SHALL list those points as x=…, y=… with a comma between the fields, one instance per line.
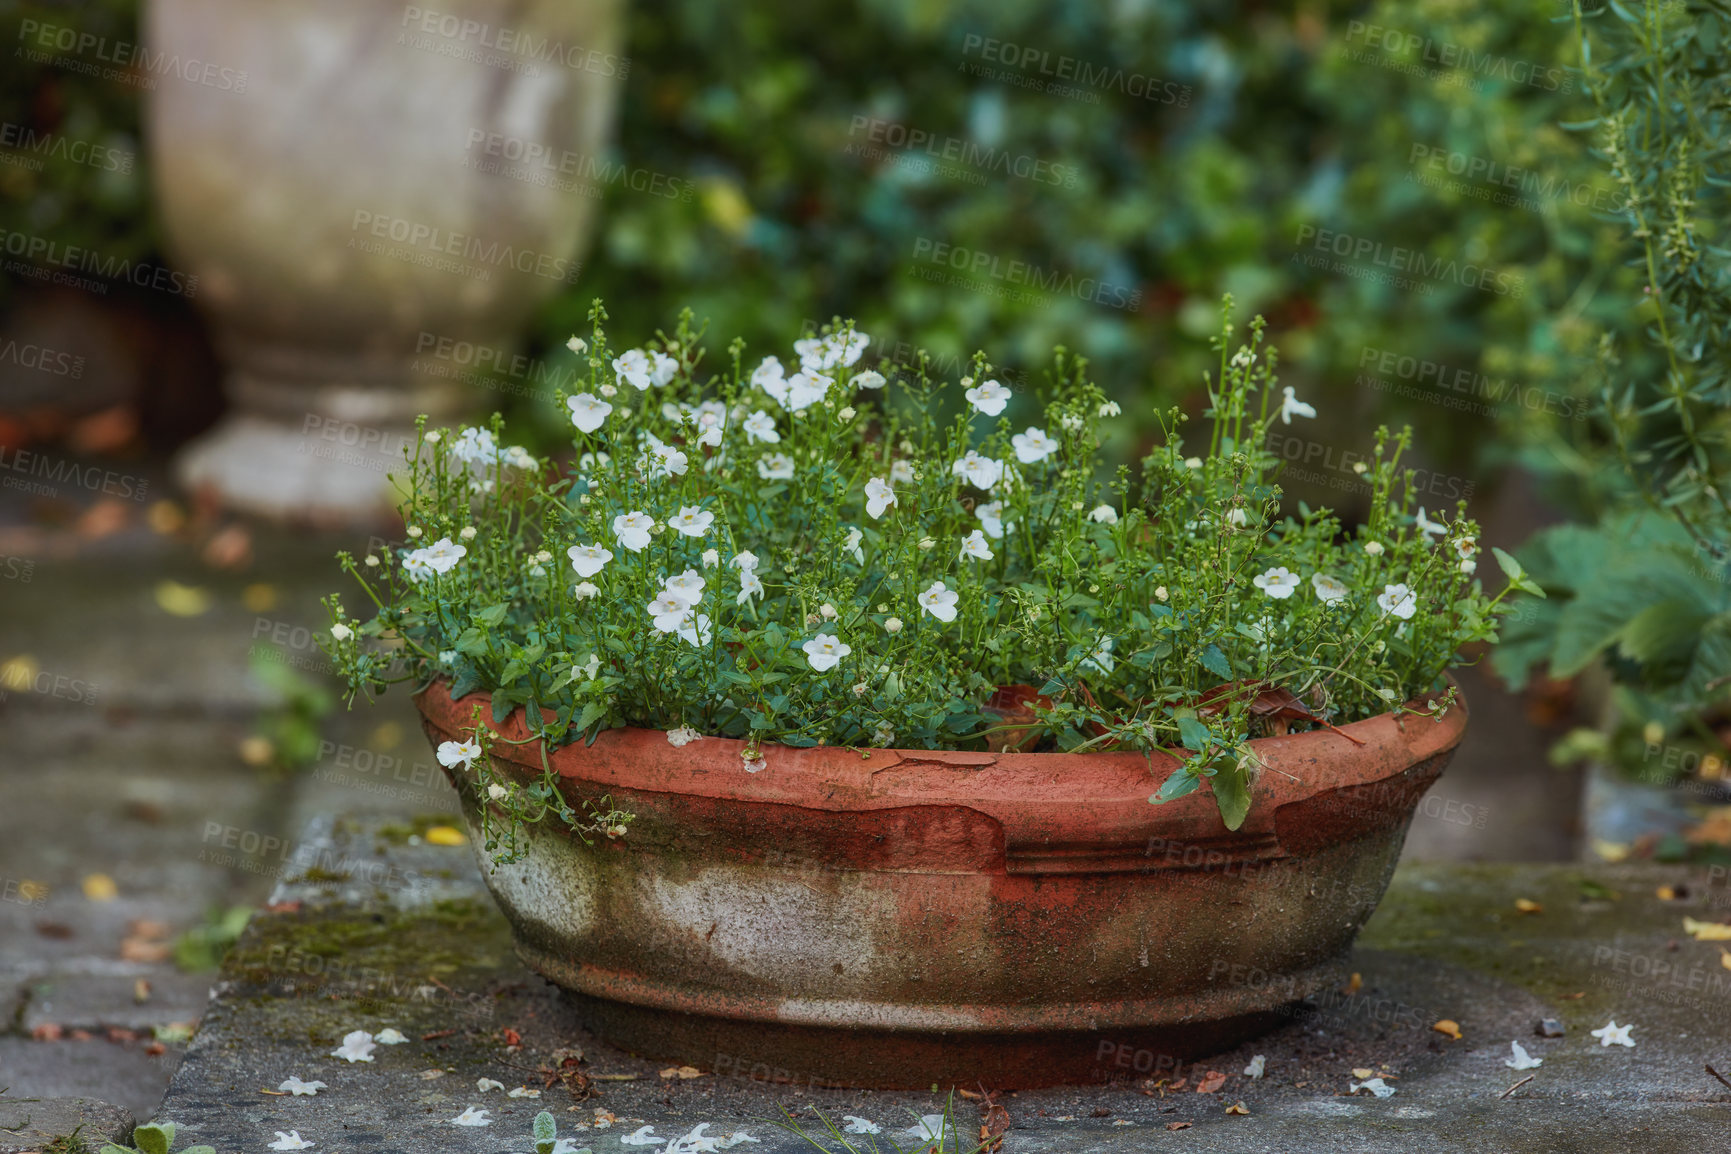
x=546, y=1134
x=872, y=575
x=154, y=1138
x=1646, y=586
x=202, y=948
x=292, y=725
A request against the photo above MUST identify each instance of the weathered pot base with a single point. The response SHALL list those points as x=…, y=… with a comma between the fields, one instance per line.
x=884, y=1060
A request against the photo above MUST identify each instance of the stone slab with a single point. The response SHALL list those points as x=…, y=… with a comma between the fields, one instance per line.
x=434, y=961
x=86, y=1001
x=29, y=1124
x=122, y=1074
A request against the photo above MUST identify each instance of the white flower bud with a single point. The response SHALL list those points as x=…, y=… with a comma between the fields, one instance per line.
x=341, y=632
x=892, y=625
x=1160, y=594
x=826, y=611
x=847, y=414
x=577, y=345
x=585, y=590
x=1374, y=548
x=372, y=562
x=467, y=532
x=414, y=532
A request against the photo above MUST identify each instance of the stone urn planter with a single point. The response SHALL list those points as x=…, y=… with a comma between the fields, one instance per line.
x=372, y=198
x=893, y=918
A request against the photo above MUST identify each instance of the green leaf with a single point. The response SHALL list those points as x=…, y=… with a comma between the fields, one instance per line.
x=1215, y=662
x=1194, y=734
x=154, y=1139
x=472, y=642
x=1182, y=783
x=1231, y=794
x=111, y=1148
x=492, y=615
x=546, y=1132
x=199, y=1150
x=592, y=712
x=1510, y=567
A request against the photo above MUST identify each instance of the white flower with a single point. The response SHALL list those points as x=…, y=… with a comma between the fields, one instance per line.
x=1429, y=527
x=828, y=352
x=824, y=651
x=577, y=345
x=663, y=369
x=930, y=1128
x=870, y=379
x=661, y=460
x=682, y=737
x=341, y=632
x=1522, y=1060
x=940, y=602
x=846, y=414
x=475, y=447
x=1373, y=548
x=1104, y=514
x=1291, y=406
x=1329, y=589
x=669, y=611
x=482, y=1085
x=472, y=1116
x=760, y=426
x=390, y=1036
x=632, y=368
x=804, y=389
x=643, y=1136
x=1110, y=409
x=1101, y=659
x=584, y=590
x=587, y=413
x=358, y=1045
x=1376, y=1086
x=1611, y=1034
x=1192, y=462
x=770, y=377
x=710, y=426
x=980, y=472
x=879, y=496
x=696, y=632
x=858, y=1125
x=297, y=1087
x=442, y=555
x=775, y=467
x=827, y=611
x=522, y=1092
x=452, y=754
x=1469, y=565
x=1465, y=547
x=974, y=545
x=467, y=532
x=710, y=558
x=632, y=530
x=902, y=473
x=692, y=520
x=290, y=1140
x=1398, y=600
x=589, y=668
x=744, y=560
x=687, y=586
x=851, y=545
x=1160, y=593
x=1256, y=1067
x=497, y=792
x=1034, y=446
x=991, y=515
x=1278, y=582
x=588, y=560
x=988, y=398
x=749, y=586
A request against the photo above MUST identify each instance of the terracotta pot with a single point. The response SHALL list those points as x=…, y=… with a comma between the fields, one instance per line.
x=894, y=918
x=374, y=199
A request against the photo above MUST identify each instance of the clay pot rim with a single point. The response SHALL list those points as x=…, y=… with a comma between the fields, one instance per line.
x=836, y=778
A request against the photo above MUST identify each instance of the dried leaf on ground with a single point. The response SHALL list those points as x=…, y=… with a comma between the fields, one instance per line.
x=1210, y=1082
x=1707, y=931
x=1178, y=1125
x=1450, y=1027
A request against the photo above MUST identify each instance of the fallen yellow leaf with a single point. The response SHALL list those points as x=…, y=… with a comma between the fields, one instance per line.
x=182, y=600
x=1665, y=894
x=19, y=673
x=1362, y=1073
x=1528, y=906
x=1237, y=1108
x=1725, y=958
x=259, y=597
x=682, y=1072
x=1611, y=851
x=445, y=835
x=1356, y=984
x=100, y=888
x=1450, y=1027
x=1707, y=931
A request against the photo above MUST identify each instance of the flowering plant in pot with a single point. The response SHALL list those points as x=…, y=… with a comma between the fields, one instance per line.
x=749, y=578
